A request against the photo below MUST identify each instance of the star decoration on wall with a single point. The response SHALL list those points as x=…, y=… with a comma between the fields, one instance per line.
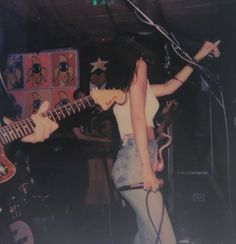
x=99, y=64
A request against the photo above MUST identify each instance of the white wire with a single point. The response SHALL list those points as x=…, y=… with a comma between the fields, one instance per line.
x=150, y=24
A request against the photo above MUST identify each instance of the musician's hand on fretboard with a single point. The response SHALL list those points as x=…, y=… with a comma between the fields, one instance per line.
x=44, y=126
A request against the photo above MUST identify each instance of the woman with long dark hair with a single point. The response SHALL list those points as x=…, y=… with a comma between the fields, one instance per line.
x=136, y=160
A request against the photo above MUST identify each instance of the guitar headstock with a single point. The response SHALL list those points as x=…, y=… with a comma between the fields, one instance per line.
x=107, y=97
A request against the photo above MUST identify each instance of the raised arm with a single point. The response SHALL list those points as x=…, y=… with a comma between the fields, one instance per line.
x=174, y=83
x=137, y=105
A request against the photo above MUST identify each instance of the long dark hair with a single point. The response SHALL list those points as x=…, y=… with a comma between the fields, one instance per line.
x=122, y=66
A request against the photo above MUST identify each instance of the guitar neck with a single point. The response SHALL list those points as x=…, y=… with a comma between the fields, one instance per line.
x=17, y=130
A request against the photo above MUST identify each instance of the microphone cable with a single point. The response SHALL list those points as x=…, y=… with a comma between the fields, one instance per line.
x=158, y=232
x=140, y=186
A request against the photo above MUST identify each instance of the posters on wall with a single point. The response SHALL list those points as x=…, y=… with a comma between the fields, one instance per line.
x=36, y=71
x=32, y=78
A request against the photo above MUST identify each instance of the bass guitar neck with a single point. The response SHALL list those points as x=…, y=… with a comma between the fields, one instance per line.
x=17, y=130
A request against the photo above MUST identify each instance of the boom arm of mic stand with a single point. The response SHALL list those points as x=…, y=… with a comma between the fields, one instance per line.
x=177, y=48
x=160, y=29
x=170, y=37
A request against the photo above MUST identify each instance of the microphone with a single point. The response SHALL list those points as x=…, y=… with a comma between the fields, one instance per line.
x=217, y=43
x=137, y=186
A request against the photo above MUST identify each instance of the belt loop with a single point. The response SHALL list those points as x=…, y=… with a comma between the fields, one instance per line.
x=124, y=141
x=127, y=138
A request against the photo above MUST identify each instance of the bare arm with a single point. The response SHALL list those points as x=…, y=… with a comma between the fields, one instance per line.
x=137, y=104
x=173, y=84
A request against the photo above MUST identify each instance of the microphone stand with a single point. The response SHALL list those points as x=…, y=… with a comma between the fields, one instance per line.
x=169, y=129
x=208, y=78
x=179, y=50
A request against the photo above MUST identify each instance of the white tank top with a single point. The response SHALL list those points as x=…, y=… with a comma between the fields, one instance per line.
x=123, y=115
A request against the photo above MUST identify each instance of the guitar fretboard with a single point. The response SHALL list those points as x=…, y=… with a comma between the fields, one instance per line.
x=17, y=130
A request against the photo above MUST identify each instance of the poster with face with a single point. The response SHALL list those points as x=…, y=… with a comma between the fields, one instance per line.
x=34, y=99
x=37, y=71
x=18, y=100
x=64, y=68
x=13, y=74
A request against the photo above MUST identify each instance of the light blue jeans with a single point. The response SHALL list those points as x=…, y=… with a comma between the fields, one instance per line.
x=126, y=171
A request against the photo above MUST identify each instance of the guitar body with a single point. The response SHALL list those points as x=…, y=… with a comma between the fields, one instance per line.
x=7, y=169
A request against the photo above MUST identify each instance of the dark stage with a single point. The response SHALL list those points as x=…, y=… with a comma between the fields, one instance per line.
x=52, y=194
x=62, y=192
x=199, y=217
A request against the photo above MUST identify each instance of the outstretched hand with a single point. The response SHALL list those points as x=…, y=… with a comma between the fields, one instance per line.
x=208, y=48
x=44, y=127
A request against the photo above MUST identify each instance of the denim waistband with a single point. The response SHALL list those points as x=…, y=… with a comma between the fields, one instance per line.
x=129, y=139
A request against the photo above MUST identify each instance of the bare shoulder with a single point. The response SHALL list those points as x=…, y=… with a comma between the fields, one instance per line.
x=141, y=70
x=141, y=64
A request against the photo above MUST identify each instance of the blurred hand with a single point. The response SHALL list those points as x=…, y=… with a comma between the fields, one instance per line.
x=107, y=140
x=44, y=127
x=207, y=48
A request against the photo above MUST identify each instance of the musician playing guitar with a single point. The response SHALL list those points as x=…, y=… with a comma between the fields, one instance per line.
x=12, y=208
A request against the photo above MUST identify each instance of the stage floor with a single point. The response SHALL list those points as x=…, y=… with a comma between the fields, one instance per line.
x=199, y=216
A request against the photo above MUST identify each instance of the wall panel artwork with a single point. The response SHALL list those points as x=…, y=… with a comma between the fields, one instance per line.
x=61, y=96
x=18, y=100
x=32, y=78
x=37, y=71
x=64, y=68
x=35, y=98
x=14, y=74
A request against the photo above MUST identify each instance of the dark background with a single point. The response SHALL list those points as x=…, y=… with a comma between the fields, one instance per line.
x=39, y=25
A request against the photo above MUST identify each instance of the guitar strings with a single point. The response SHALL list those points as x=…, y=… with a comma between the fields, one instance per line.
x=25, y=125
